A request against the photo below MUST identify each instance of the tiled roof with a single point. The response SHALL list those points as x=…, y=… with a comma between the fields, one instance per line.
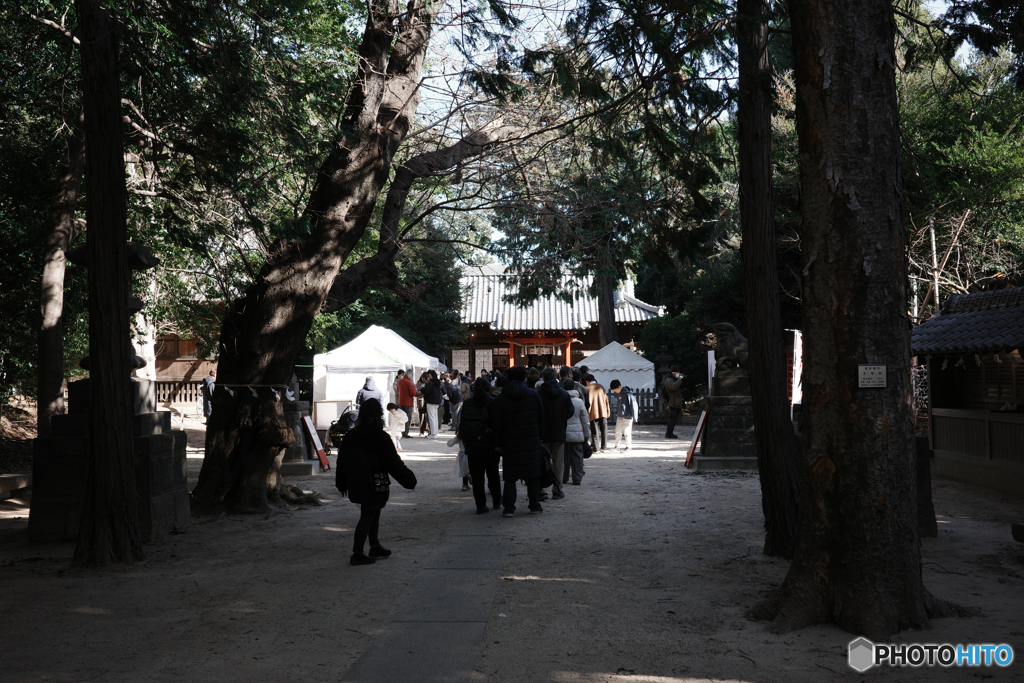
x=486, y=288
x=985, y=322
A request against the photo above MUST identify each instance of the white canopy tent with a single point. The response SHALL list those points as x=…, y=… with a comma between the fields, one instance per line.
x=378, y=353
x=615, y=361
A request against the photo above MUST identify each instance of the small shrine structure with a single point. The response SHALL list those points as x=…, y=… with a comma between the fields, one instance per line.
x=548, y=331
x=976, y=388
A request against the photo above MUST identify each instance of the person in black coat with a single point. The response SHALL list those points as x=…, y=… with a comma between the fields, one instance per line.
x=432, y=397
x=366, y=459
x=475, y=434
x=517, y=423
x=557, y=410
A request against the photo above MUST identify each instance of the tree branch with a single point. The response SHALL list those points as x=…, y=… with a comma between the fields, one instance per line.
x=60, y=27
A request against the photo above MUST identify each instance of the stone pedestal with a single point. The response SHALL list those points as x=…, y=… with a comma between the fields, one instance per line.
x=728, y=440
x=299, y=459
x=60, y=466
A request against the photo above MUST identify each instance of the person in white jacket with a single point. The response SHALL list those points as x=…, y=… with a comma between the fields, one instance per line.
x=396, y=424
x=577, y=430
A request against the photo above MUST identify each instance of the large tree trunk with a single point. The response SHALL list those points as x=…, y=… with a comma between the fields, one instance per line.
x=777, y=445
x=607, y=331
x=108, y=530
x=60, y=231
x=265, y=329
x=858, y=560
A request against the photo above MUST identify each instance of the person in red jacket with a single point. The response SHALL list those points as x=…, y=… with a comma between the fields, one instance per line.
x=406, y=398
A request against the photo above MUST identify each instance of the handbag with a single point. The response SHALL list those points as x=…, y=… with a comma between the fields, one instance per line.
x=587, y=450
x=462, y=465
x=547, y=470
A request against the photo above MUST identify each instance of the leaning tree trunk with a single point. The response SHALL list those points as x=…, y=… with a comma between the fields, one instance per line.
x=858, y=559
x=777, y=445
x=108, y=529
x=265, y=329
x=379, y=269
x=60, y=231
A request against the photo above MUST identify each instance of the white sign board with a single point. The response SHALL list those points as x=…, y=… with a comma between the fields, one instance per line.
x=484, y=360
x=871, y=377
x=460, y=359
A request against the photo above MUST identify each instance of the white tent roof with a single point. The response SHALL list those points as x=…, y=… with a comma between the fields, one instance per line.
x=616, y=358
x=378, y=349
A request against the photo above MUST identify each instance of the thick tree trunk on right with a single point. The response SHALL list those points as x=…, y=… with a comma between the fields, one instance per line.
x=108, y=531
x=858, y=558
x=777, y=445
x=60, y=231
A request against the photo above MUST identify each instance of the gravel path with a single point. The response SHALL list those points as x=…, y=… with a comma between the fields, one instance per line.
x=643, y=573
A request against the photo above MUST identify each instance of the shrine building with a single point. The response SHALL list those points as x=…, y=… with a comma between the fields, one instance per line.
x=548, y=331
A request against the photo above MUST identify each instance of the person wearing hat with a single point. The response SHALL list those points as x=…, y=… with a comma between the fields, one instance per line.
x=674, y=389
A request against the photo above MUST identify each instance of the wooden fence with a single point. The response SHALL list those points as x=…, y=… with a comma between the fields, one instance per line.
x=651, y=410
x=178, y=392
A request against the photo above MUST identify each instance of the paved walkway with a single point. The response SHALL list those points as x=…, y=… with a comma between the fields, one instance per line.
x=437, y=632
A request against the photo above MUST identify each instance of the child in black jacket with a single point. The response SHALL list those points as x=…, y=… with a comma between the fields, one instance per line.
x=366, y=459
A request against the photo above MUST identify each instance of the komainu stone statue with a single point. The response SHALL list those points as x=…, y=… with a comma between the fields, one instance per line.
x=730, y=347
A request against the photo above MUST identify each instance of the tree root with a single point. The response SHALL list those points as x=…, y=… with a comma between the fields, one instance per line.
x=941, y=609
x=296, y=496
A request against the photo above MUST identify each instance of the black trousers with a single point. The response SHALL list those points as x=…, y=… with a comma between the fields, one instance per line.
x=573, y=462
x=673, y=418
x=368, y=524
x=408, y=423
x=602, y=424
x=532, y=493
x=478, y=466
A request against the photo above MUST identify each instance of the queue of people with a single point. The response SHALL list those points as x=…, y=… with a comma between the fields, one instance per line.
x=539, y=428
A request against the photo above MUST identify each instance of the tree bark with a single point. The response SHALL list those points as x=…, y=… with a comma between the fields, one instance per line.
x=857, y=561
x=607, y=332
x=108, y=530
x=265, y=329
x=60, y=231
x=777, y=445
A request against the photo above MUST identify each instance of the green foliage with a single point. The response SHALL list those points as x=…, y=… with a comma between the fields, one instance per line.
x=38, y=103
x=963, y=150
x=230, y=108
x=425, y=309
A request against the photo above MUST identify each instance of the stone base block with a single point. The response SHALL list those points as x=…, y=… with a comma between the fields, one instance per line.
x=306, y=468
x=60, y=467
x=707, y=463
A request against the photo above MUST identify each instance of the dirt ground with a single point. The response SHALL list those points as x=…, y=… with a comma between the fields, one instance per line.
x=643, y=574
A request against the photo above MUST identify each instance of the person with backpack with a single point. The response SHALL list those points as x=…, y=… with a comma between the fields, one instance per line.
x=366, y=460
x=475, y=434
x=627, y=412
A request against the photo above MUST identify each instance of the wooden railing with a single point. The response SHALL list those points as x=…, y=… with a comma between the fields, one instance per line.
x=979, y=433
x=178, y=392
x=651, y=409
